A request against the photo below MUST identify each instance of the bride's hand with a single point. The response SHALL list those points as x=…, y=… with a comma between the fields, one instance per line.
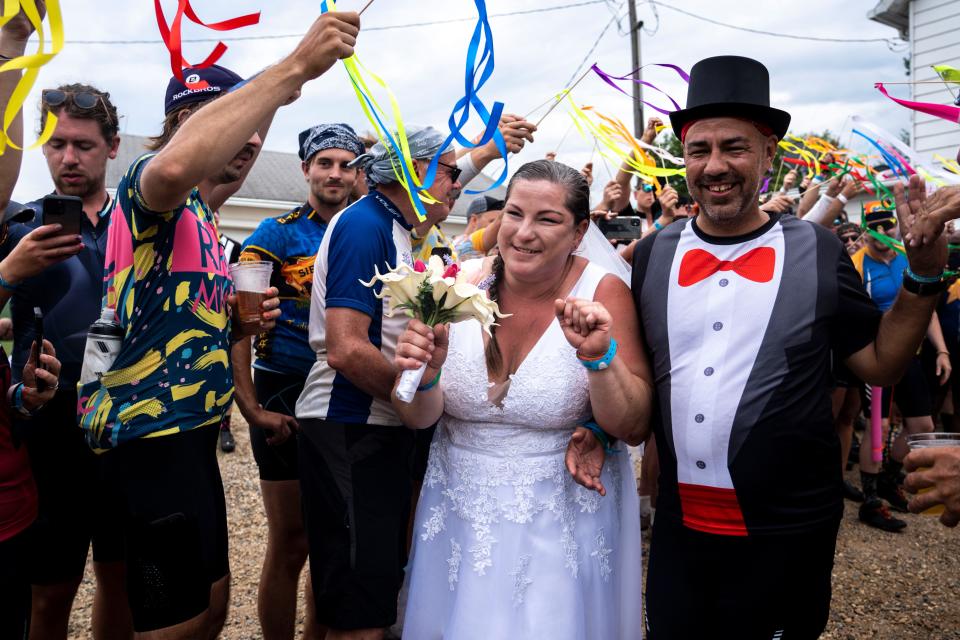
x=421, y=344
x=586, y=325
x=585, y=458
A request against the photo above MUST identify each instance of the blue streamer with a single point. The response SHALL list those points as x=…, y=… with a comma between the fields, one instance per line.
x=888, y=158
x=472, y=85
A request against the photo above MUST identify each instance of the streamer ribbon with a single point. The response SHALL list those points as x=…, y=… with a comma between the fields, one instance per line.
x=947, y=112
x=171, y=36
x=30, y=64
x=611, y=135
x=610, y=79
x=947, y=73
x=478, y=72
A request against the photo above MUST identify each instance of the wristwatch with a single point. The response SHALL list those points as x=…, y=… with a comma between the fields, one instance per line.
x=923, y=288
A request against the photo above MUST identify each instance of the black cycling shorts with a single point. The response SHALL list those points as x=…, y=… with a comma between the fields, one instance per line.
x=168, y=493
x=355, y=487
x=701, y=585
x=277, y=392
x=65, y=470
x=14, y=586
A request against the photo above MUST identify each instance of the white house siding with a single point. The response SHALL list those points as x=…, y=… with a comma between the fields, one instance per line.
x=934, y=39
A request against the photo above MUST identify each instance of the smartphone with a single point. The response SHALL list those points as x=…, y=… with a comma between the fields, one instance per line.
x=38, y=346
x=65, y=211
x=622, y=228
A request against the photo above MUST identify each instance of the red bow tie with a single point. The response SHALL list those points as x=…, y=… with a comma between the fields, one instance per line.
x=756, y=265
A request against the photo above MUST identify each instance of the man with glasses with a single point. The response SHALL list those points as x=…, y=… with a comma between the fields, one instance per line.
x=68, y=294
x=353, y=450
x=284, y=358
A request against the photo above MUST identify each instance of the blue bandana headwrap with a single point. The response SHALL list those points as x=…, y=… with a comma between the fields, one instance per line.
x=329, y=136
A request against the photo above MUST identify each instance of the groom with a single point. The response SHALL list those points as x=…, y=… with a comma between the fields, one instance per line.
x=741, y=311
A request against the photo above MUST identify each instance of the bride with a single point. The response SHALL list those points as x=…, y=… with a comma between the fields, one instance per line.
x=506, y=543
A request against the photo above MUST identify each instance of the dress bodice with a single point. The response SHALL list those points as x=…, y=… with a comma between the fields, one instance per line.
x=547, y=396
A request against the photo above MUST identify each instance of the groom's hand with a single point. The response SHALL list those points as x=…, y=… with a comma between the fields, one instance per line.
x=585, y=458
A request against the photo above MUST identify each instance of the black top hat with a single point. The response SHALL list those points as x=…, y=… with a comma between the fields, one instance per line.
x=730, y=86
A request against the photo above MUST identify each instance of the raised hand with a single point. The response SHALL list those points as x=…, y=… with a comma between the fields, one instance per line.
x=421, y=344
x=777, y=204
x=586, y=325
x=922, y=219
x=612, y=192
x=650, y=133
x=331, y=37
x=584, y=459
x=19, y=28
x=587, y=172
x=668, y=201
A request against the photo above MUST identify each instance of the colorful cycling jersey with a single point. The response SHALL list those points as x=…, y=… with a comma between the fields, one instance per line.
x=167, y=277
x=290, y=242
x=881, y=280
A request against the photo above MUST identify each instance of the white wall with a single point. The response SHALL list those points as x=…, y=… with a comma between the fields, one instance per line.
x=934, y=30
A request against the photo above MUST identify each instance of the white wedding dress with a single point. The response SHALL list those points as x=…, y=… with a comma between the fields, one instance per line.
x=506, y=544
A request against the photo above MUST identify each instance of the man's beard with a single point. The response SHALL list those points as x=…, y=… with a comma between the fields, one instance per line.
x=732, y=211
x=333, y=202
x=89, y=186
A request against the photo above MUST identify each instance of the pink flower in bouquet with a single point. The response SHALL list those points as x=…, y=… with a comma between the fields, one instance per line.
x=419, y=267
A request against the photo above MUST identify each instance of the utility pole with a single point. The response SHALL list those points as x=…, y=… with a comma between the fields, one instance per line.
x=635, y=31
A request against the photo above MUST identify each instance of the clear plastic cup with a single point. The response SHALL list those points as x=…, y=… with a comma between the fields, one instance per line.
x=251, y=280
x=926, y=441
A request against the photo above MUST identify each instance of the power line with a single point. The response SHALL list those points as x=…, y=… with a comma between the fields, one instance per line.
x=888, y=41
x=409, y=25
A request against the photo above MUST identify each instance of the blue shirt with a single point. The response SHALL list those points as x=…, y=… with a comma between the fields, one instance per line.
x=68, y=294
x=370, y=233
x=290, y=242
x=881, y=280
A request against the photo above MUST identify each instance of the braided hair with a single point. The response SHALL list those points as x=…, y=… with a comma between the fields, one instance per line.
x=576, y=200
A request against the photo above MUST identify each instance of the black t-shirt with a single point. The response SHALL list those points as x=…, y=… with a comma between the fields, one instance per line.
x=739, y=332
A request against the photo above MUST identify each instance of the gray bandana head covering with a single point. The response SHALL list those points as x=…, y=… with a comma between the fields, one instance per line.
x=329, y=136
x=425, y=143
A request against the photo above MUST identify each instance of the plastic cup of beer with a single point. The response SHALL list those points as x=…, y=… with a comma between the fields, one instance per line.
x=926, y=441
x=251, y=280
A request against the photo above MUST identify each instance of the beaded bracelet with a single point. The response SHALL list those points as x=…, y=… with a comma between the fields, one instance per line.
x=431, y=384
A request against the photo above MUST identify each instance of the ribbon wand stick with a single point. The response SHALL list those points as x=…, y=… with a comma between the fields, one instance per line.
x=365, y=7
x=563, y=94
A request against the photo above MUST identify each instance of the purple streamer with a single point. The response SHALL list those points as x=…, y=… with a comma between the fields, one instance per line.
x=766, y=185
x=609, y=79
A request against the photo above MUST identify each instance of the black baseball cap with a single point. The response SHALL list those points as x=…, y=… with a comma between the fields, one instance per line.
x=201, y=84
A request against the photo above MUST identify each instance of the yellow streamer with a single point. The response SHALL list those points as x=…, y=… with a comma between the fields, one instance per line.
x=790, y=147
x=607, y=134
x=355, y=71
x=31, y=63
x=950, y=165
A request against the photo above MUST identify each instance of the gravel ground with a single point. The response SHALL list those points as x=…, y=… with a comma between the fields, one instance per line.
x=885, y=586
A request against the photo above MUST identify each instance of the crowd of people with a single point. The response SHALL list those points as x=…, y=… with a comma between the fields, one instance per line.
x=737, y=341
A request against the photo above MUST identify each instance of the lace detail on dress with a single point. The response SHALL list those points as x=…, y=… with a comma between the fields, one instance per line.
x=453, y=564
x=494, y=464
x=521, y=580
x=435, y=523
x=602, y=554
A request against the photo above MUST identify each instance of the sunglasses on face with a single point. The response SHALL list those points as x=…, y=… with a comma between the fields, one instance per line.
x=646, y=188
x=849, y=239
x=455, y=171
x=84, y=100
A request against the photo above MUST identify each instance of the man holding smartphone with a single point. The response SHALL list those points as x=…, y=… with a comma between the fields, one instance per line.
x=68, y=295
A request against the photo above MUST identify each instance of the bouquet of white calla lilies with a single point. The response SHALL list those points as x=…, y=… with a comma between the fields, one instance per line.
x=434, y=293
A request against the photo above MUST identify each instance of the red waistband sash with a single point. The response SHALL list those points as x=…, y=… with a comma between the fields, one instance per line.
x=711, y=510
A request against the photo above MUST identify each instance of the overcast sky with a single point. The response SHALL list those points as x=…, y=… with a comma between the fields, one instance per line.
x=819, y=83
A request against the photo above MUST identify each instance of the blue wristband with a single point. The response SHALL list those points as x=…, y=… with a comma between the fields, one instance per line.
x=924, y=279
x=657, y=225
x=601, y=363
x=431, y=384
x=6, y=285
x=601, y=436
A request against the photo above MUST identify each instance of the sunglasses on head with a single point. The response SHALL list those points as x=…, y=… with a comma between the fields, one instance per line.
x=455, y=171
x=84, y=100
